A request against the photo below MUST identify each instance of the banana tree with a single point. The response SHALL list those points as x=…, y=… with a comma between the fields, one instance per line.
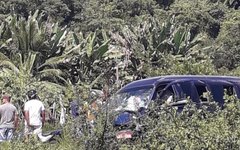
x=25, y=46
x=146, y=45
x=18, y=76
x=36, y=34
x=85, y=61
x=85, y=55
x=52, y=51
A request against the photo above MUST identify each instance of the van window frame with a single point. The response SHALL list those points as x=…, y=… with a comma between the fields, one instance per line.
x=181, y=90
x=212, y=86
x=236, y=88
x=201, y=83
x=177, y=89
x=208, y=83
x=167, y=85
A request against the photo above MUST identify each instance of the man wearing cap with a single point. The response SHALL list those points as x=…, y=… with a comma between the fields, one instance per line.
x=8, y=119
x=34, y=114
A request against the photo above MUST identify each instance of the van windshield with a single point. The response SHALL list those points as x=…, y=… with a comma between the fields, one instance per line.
x=131, y=99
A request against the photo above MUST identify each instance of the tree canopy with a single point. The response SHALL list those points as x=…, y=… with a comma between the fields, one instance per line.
x=76, y=43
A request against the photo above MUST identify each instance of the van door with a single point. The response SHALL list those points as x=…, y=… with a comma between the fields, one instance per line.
x=187, y=92
x=167, y=95
x=176, y=93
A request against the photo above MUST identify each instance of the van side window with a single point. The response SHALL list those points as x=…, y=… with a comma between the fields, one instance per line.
x=202, y=92
x=217, y=92
x=237, y=90
x=164, y=92
x=228, y=90
x=186, y=89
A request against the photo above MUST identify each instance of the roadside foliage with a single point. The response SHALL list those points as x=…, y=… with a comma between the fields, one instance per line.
x=66, y=48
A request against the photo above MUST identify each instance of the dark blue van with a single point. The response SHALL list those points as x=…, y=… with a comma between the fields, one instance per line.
x=174, y=90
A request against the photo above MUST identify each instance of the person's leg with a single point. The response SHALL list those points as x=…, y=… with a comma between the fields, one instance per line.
x=27, y=132
x=9, y=134
x=2, y=134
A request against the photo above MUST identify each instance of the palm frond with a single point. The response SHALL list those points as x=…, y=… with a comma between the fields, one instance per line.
x=10, y=65
x=3, y=57
x=54, y=61
x=101, y=50
x=50, y=86
x=91, y=39
x=52, y=73
x=28, y=64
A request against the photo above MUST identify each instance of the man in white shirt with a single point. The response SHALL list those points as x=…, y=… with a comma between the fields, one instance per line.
x=34, y=114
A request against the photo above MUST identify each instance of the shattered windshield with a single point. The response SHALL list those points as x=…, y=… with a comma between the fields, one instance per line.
x=131, y=100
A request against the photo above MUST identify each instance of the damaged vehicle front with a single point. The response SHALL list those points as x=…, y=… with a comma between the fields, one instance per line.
x=127, y=106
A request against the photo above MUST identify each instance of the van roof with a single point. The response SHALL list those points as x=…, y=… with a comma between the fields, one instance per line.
x=151, y=81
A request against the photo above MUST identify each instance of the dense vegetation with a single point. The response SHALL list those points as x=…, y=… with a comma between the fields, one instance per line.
x=64, y=48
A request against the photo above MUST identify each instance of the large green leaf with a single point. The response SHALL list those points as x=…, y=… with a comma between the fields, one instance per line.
x=101, y=50
x=10, y=65
x=90, y=44
x=3, y=57
x=178, y=39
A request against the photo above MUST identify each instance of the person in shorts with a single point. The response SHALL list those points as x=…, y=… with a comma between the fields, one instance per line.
x=34, y=114
x=8, y=119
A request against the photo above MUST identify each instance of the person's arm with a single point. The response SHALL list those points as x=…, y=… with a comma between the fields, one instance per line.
x=15, y=120
x=26, y=116
x=43, y=114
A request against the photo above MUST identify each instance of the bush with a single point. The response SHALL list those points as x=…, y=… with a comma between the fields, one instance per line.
x=195, y=127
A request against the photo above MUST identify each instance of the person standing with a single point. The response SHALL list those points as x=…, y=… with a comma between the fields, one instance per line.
x=8, y=119
x=34, y=114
